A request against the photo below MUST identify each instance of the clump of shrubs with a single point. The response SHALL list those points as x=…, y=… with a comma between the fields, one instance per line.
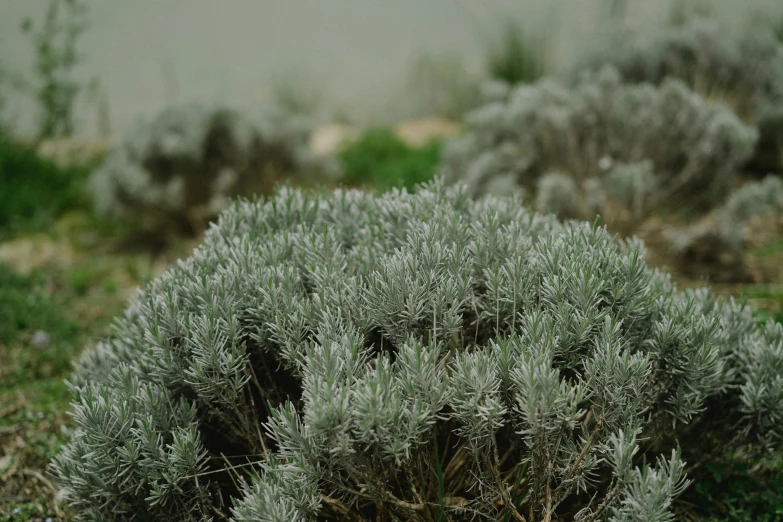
x=181, y=169
x=742, y=68
x=716, y=247
x=557, y=193
x=414, y=357
x=642, y=145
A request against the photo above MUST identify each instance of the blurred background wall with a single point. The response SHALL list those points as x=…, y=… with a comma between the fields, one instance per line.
x=354, y=57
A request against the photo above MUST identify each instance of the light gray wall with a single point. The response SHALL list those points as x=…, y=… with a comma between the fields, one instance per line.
x=355, y=53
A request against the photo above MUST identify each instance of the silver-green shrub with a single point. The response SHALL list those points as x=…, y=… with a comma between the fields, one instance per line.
x=683, y=149
x=752, y=199
x=185, y=165
x=558, y=194
x=416, y=357
x=740, y=67
x=744, y=67
x=721, y=241
x=633, y=185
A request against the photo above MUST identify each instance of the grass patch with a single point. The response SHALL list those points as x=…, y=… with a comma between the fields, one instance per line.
x=733, y=492
x=770, y=250
x=516, y=57
x=767, y=301
x=37, y=340
x=35, y=191
x=382, y=160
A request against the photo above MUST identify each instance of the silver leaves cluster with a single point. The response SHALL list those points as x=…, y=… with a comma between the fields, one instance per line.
x=639, y=145
x=397, y=318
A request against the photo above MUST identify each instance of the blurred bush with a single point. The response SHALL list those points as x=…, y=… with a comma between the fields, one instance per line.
x=638, y=146
x=181, y=169
x=742, y=68
x=715, y=247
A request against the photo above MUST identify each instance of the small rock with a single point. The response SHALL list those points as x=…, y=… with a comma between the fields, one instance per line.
x=29, y=253
x=417, y=133
x=330, y=138
x=40, y=340
x=70, y=151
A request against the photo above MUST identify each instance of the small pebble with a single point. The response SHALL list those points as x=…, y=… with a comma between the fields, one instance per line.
x=40, y=415
x=48, y=519
x=605, y=163
x=40, y=340
x=21, y=444
x=15, y=511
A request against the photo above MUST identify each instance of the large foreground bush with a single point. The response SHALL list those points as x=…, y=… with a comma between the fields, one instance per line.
x=635, y=146
x=413, y=357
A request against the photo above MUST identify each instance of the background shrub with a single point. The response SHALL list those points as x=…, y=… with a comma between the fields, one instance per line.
x=413, y=356
x=180, y=169
x=693, y=148
x=558, y=194
x=740, y=67
x=716, y=247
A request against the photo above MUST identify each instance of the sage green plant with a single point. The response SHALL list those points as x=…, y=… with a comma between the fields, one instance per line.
x=685, y=152
x=415, y=357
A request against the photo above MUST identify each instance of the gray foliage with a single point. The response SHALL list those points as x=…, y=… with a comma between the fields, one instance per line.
x=740, y=67
x=410, y=355
x=183, y=166
x=743, y=66
x=752, y=199
x=721, y=240
x=672, y=146
x=633, y=185
x=558, y=194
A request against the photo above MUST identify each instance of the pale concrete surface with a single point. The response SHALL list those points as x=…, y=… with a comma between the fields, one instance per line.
x=354, y=54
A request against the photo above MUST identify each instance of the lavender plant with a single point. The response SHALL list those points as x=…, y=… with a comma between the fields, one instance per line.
x=742, y=68
x=183, y=167
x=557, y=193
x=633, y=185
x=684, y=149
x=726, y=235
x=415, y=357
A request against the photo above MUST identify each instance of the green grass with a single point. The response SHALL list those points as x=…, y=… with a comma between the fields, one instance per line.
x=516, y=57
x=33, y=395
x=381, y=160
x=732, y=492
x=35, y=191
x=27, y=307
x=74, y=306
